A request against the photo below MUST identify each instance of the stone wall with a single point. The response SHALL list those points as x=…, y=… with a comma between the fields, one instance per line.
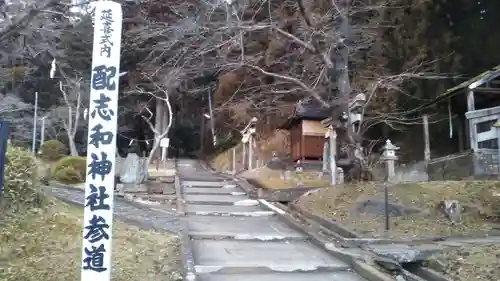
x=486, y=162
x=468, y=165
x=451, y=167
x=408, y=172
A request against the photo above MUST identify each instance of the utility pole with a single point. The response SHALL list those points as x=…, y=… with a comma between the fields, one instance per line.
x=202, y=133
x=214, y=139
x=35, y=117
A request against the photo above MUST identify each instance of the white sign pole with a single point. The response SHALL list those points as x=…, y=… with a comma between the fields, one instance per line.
x=101, y=145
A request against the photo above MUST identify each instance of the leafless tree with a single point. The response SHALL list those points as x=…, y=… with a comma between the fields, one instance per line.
x=18, y=114
x=70, y=113
x=160, y=95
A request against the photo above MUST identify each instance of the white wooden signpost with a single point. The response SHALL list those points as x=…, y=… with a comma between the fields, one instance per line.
x=101, y=149
x=164, y=144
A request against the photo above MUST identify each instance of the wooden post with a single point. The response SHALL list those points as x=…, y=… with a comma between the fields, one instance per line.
x=471, y=128
x=325, y=155
x=470, y=101
x=333, y=152
x=250, y=151
x=302, y=143
x=244, y=155
x=427, y=149
x=202, y=133
x=101, y=155
x=460, y=134
x=234, y=160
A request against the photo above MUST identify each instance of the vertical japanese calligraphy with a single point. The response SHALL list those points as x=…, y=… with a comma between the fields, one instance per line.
x=101, y=145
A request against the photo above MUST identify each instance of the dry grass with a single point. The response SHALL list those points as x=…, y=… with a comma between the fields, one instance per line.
x=479, y=197
x=273, y=142
x=223, y=161
x=272, y=179
x=471, y=263
x=45, y=245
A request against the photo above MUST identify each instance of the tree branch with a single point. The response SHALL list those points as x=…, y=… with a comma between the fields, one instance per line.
x=293, y=80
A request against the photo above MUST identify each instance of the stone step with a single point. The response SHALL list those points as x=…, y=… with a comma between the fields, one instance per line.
x=216, y=199
x=233, y=214
x=212, y=190
x=282, y=276
x=240, y=226
x=190, y=183
x=243, y=237
x=212, y=256
x=221, y=209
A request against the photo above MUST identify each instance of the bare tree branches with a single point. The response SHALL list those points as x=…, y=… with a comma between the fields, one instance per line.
x=23, y=19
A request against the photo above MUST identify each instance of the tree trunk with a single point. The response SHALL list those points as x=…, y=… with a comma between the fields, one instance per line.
x=158, y=128
x=164, y=133
x=72, y=146
x=339, y=76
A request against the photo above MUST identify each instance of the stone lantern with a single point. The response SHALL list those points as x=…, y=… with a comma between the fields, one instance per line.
x=389, y=156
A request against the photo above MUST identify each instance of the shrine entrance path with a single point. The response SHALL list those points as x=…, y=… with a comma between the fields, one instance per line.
x=235, y=238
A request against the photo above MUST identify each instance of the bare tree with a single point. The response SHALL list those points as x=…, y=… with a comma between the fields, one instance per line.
x=331, y=51
x=160, y=131
x=70, y=114
x=163, y=120
x=18, y=114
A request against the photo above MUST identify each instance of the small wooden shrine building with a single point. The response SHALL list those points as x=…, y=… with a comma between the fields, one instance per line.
x=307, y=134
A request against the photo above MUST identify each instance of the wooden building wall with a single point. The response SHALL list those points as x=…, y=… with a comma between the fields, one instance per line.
x=306, y=140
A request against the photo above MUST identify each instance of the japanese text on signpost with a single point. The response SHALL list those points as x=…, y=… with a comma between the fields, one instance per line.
x=101, y=149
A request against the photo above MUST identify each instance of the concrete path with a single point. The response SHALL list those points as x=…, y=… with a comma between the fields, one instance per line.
x=136, y=214
x=235, y=238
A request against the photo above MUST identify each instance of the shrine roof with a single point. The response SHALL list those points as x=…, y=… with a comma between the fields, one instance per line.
x=309, y=109
x=472, y=83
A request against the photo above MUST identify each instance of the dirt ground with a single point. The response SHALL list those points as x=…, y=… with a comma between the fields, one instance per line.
x=272, y=179
x=472, y=263
x=45, y=245
x=479, y=198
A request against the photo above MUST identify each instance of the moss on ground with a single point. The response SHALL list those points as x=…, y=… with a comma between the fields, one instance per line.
x=45, y=245
x=480, y=198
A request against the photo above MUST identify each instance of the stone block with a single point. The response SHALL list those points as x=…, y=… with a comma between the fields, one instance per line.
x=155, y=187
x=131, y=188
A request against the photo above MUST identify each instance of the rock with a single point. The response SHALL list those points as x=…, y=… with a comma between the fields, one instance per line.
x=167, y=179
x=451, y=209
x=276, y=164
x=287, y=175
x=133, y=170
x=47, y=176
x=131, y=188
x=401, y=253
x=340, y=175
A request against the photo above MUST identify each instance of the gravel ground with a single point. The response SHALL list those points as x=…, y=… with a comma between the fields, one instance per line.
x=480, y=199
x=470, y=263
x=131, y=213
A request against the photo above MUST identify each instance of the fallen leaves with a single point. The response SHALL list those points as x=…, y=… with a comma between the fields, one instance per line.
x=470, y=263
x=338, y=202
